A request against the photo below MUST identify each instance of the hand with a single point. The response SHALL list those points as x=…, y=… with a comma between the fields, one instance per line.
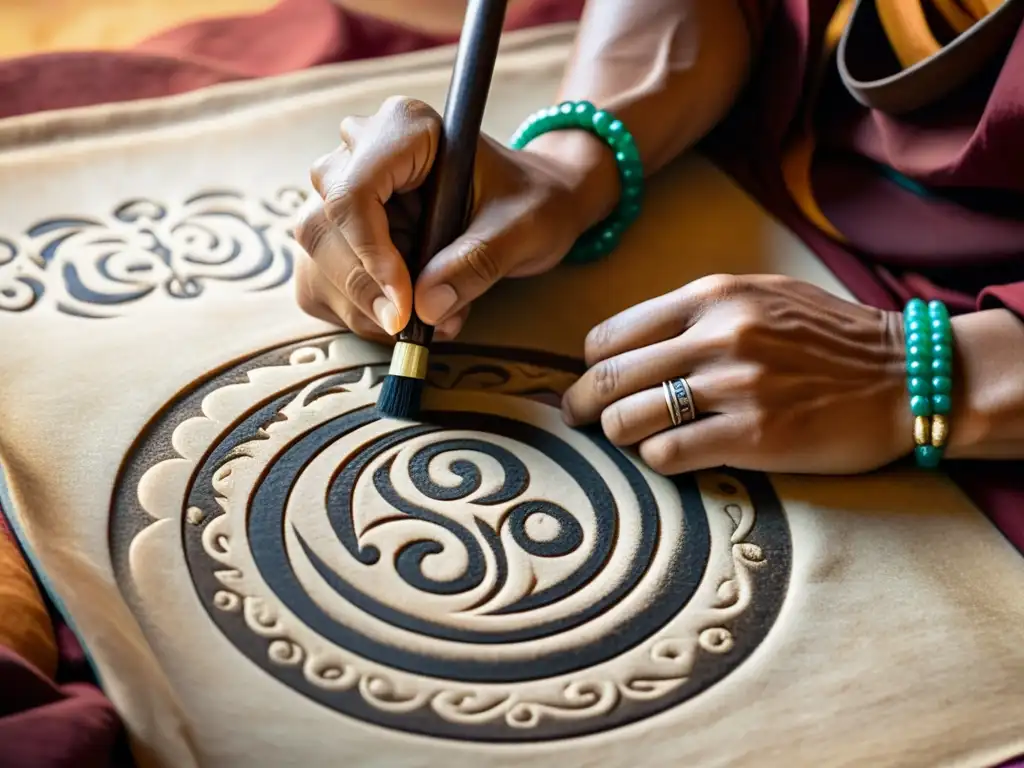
x=785, y=378
x=528, y=209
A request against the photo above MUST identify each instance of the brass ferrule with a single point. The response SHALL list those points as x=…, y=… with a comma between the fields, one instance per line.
x=409, y=360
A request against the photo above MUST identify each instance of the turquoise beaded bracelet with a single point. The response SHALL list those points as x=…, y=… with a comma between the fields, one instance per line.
x=929, y=340
x=602, y=238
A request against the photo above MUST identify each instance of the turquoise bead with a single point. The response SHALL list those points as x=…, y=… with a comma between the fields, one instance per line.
x=943, y=351
x=920, y=406
x=942, y=385
x=916, y=353
x=914, y=326
x=937, y=309
x=927, y=456
x=615, y=132
x=915, y=307
x=940, y=324
x=942, y=367
x=941, y=404
x=584, y=110
x=630, y=174
x=917, y=367
x=632, y=193
x=918, y=385
x=600, y=121
x=914, y=339
x=630, y=212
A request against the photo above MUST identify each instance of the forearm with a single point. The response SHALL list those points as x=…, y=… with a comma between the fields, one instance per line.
x=669, y=69
x=988, y=416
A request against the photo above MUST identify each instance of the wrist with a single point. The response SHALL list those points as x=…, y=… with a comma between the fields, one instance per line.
x=589, y=172
x=988, y=396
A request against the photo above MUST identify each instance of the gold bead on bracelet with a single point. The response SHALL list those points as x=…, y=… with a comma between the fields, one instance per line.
x=922, y=430
x=940, y=430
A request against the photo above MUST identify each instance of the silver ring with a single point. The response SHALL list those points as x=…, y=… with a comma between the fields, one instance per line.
x=679, y=400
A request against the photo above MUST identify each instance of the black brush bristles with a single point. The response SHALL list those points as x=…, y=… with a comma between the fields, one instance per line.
x=400, y=397
x=403, y=386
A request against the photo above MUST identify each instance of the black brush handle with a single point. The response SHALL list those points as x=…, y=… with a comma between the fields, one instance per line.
x=449, y=185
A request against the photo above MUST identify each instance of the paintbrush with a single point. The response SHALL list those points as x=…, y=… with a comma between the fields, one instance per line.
x=448, y=193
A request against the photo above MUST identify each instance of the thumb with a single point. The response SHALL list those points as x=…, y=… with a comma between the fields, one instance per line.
x=463, y=271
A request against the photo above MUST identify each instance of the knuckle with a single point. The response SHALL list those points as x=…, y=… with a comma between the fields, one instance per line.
x=311, y=230
x=359, y=286
x=349, y=127
x=606, y=376
x=341, y=199
x=598, y=340
x=404, y=108
x=759, y=431
x=745, y=333
x=613, y=424
x=717, y=287
x=478, y=258
x=660, y=455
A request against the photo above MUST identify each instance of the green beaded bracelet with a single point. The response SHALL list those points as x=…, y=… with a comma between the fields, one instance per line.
x=929, y=344
x=604, y=237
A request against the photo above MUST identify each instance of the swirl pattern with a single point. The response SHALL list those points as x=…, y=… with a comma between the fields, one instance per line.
x=487, y=574
x=101, y=267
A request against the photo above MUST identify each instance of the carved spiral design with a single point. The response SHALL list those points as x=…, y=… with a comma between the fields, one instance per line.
x=96, y=267
x=486, y=574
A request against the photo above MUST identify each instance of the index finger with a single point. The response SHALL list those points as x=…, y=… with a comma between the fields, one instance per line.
x=654, y=320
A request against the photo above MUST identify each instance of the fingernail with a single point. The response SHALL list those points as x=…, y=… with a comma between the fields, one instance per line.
x=450, y=328
x=436, y=303
x=386, y=314
x=391, y=293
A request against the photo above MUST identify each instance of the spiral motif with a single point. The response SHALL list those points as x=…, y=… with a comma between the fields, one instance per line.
x=95, y=267
x=486, y=573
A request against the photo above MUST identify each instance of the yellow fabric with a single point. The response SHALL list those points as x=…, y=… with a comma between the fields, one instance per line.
x=912, y=40
x=43, y=26
x=796, y=162
x=25, y=625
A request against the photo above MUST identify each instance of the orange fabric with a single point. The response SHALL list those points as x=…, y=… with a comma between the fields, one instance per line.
x=46, y=26
x=25, y=626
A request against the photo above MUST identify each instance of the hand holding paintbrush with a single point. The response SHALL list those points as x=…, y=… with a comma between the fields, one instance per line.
x=448, y=193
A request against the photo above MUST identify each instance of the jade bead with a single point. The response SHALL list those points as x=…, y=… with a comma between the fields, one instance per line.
x=941, y=350
x=918, y=385
x=632, y=193
x=915, y=307
x=928, y=456
x=940, y=324
x=917, y=367
x=616, y=130
x=585, y=110
x=920, y=406
x=630, y=212
x=937, y=309
x=600, y=121
x=942, y=367
x=916, y=353
x=941, y=404
x=942, y=385
x=914, y=326
x=915, y=339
